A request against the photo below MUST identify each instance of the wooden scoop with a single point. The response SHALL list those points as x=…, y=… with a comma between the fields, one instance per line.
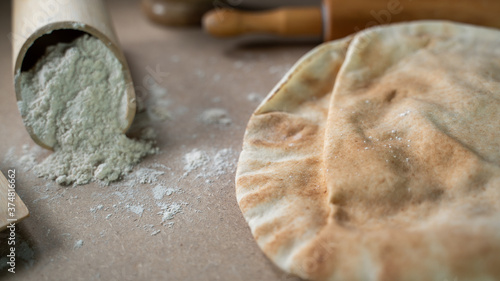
x=37, y=25
x=12, y=209
x=339, y=18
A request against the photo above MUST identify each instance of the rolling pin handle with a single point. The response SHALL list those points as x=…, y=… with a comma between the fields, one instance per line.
x=285, y=22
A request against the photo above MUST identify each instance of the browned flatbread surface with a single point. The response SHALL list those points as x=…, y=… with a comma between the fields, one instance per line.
x=378, y=158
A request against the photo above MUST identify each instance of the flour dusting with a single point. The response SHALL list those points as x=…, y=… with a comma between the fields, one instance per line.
x=137, y=209
x=209, y=166
x=146, y=175
x=160, y=191
x=216, y=116
x=222, y=162
x=170, y=210
x=255, y=97
x=78, y=244
x=74, y=100
x=195, y=159
x=27, y=160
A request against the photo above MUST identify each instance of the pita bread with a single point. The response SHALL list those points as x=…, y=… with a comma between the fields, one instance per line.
x=377, y=158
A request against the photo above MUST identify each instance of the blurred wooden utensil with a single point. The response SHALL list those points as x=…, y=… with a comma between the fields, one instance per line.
x=12, y=209
x=176, y=12
x=338, y=18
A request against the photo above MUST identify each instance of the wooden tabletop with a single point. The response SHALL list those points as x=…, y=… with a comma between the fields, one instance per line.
x=139, y=231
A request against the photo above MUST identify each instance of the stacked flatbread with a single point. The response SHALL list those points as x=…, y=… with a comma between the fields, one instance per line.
x=378, y=158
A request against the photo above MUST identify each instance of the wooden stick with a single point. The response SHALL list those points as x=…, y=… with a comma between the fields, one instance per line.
x=19, y=210
x=283, y=22
x=346, y=17
x=341, y=18
x=37, y=24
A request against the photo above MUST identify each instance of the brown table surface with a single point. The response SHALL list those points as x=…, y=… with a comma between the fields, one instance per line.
x=210, y=239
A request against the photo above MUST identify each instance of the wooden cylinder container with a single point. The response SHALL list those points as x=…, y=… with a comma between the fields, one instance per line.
x=38, y=24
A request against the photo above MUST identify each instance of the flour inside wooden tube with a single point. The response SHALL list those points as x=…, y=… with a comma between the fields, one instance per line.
x=74, y=100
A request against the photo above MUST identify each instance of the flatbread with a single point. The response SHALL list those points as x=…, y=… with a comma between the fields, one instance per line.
x=377, y=157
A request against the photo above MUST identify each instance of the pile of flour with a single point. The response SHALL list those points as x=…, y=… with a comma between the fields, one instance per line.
x=74, y=100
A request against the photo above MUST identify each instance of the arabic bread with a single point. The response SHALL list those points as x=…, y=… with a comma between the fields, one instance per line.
x=377, y=158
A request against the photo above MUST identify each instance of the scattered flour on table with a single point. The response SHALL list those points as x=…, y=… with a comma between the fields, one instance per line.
x=160, y=166
x=148, y=133
x=161, y=197
x=142, y=176
x=74, y=99
x=159, y=111
x=137, y=209
x=216, y=116
x=156, y=90
x=195, y=159
x=217, y=165
x=168, y=211
x=96, y=208
x=146, y=175
x=160, y=191
x=254, y=97
x=158, y=199
x=222, y=162
x=156, y=103
x=28, y=158
x=208, y=164
x=155, y=232
x=78, y=244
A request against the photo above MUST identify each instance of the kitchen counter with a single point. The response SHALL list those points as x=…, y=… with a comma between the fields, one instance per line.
x=166, y=220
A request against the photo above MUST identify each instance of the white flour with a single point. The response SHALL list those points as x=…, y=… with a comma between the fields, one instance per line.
x=137, y=209
x=78, y=244
x=222, y=162
x=28, y=157
x=195, y=159
x=216, y=116
x=168, y=211
x=146, y=175
x=255, y=97
x=74, y=99
x=208, y=166
x=160, y=191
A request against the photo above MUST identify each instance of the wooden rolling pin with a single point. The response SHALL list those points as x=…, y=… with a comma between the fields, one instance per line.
x=37, y=25
x=339, y=18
